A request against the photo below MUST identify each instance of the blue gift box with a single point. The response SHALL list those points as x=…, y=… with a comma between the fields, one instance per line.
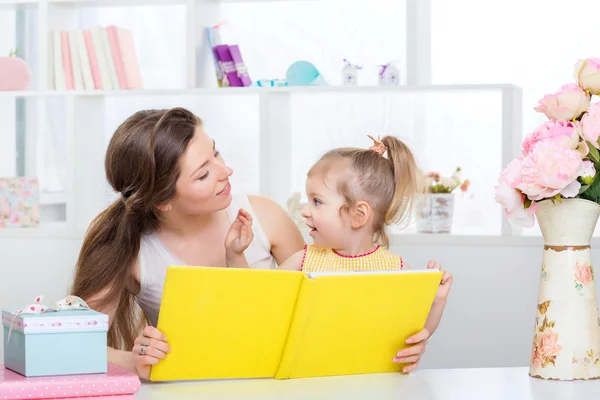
x=63, y=342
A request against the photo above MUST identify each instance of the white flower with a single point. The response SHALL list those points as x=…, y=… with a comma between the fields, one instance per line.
x=449, y=183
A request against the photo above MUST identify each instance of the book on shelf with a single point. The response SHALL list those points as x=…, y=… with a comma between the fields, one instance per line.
x=102, y=58
x=230, y=68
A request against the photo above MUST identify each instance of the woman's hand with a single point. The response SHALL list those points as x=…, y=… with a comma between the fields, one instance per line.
x=240, y=234
x=446, y=283
x=412, y=355
x=148, y=349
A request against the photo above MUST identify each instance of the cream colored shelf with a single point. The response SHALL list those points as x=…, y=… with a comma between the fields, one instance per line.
x=257, y=90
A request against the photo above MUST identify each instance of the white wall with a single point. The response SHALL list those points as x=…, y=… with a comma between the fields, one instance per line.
x=488, y=321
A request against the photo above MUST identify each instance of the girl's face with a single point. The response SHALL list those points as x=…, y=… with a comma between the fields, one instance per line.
x=330, y=226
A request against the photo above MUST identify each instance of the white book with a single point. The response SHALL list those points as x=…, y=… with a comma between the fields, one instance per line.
x=84, y=59
x=76, y=61
x=57, y=62
x=112, y=70
x=102, y=58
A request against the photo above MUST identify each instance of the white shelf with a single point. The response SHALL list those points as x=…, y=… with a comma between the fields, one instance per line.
x=83, y=111
x=52, y=198
x=119, y=3
x=48, y=230
x=61, y=230
x=258, y=90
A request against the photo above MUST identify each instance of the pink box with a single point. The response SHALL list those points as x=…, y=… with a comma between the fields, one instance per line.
x=116, y=384
x=19, y=202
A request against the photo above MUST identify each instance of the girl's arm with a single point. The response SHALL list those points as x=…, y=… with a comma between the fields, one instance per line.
x=412, y=355
x=294, y=263
x=439, y=303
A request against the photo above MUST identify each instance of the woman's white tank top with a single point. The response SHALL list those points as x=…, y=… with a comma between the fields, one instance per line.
x=154, y=259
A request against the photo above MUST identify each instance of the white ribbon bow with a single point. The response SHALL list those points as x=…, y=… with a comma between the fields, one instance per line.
x=42, y=304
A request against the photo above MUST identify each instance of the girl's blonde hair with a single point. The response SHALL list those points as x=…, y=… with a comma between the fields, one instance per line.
x=389, y=184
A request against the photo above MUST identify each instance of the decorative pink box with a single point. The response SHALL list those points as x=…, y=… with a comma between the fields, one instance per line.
x=116, y=384
x=19, y=202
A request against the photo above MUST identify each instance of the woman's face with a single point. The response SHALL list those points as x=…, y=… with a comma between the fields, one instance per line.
x=203, y=184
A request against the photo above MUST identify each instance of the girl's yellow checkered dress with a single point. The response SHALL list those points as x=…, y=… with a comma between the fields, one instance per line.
x=328, y=260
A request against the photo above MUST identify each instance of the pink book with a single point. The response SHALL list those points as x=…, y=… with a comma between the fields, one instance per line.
x=130, y=61
x=89, y=44
x=115, y=384
x=113, y=39
x=120, y=397
x=66, y=57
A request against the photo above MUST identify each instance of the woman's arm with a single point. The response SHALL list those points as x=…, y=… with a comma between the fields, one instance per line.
x=123, y=359
x=284, y=236
x=153, y=341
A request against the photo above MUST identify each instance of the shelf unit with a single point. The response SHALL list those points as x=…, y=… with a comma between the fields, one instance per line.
x=85, y=188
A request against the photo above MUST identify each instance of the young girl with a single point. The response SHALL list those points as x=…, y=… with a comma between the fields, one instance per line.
x=353, y=194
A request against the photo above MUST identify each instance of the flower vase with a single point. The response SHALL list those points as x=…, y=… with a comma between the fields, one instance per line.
x=434, y=213
x=566, y=341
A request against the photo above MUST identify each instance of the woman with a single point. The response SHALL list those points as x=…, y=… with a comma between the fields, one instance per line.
x=176, y=208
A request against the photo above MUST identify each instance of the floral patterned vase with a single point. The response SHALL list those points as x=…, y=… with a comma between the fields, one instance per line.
x=566, y=341
x=435, y=212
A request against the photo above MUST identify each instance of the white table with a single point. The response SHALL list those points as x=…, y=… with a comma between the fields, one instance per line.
x=435, y=384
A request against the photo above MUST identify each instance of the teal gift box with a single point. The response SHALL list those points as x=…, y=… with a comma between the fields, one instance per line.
x=51, y=340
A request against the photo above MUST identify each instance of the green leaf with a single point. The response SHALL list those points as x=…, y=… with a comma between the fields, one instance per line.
x=582, y=189
x=593, y=154
x=558, y=198
x=527, y=203
x=593, y=192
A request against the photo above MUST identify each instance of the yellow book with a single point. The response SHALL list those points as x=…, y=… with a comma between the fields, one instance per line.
x=244, y=323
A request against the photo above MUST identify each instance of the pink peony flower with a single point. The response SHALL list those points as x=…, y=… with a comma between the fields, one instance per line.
x=569, y=102
x=590, y=125
x=589, y=172
x=511, y=199
x=566, y=132
x=550, y=169
x=513, y=172
x=583, y=273
x=548, y=343
x=587, y=74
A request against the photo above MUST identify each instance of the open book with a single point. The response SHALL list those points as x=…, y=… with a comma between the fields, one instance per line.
x=244, y=323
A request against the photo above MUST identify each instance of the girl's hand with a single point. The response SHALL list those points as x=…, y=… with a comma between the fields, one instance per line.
x=240, y=234
x=149, y=348
x=446, y=283
x=412, y=355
